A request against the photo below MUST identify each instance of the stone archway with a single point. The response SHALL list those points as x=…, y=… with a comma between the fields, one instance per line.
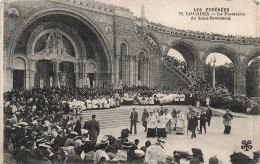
x=187, y=50
x=19, y=73
x=142, y=69
x=155, y=41
x=231, y=54
x=252, y=64
x=106, y=60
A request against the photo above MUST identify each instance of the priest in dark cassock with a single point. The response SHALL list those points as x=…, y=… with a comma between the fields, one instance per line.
x=227, y=121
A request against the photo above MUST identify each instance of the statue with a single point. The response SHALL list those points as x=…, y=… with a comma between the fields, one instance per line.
x=54, y=45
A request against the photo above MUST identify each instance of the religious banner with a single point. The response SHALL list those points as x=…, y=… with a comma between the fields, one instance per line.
x=63, y=79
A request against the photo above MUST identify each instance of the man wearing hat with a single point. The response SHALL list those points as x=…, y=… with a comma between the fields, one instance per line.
x=155, y=153
x=209, y=115
x=101, y=154
x=227, y=121
x=133, y=119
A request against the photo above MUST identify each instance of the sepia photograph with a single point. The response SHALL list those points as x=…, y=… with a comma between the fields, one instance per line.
x=130, y=81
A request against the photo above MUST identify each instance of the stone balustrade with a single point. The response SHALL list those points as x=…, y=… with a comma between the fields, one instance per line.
x=96, y=5
x=200, y=35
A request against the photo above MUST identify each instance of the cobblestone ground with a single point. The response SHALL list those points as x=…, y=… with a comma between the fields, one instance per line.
x=214, y=142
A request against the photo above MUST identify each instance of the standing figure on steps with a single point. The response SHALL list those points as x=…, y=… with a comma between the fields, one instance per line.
x=144, y=119
x=193, y=123
x=133, y=119
x=203, y=119
x=93, y=127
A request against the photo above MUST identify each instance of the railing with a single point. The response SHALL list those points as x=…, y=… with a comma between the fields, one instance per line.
x=202, y=35
x=155, y=51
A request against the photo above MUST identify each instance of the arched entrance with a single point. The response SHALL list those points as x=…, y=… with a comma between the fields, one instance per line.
x=91, y=74
x=19, y=73
x=64, y=42
x=67, y=74
x=123, y=62
x=142, y=69
x=44, y=74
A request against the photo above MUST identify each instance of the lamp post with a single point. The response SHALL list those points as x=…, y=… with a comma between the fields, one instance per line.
x=213, y=62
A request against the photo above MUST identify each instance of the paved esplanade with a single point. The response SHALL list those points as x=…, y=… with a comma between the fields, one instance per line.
x=213, y=143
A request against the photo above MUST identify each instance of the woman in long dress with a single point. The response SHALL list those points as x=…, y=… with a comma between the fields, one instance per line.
x=180, y=123
x=151, y=125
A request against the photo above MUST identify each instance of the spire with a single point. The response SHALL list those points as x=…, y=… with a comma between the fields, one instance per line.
x=142, y=12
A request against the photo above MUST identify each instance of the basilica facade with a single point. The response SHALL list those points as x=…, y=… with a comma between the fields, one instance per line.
x=91, y=44
x=74, y=43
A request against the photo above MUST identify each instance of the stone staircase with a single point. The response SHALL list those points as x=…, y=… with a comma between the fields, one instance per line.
x=166, y=63
x=116, y=117
x=120, y=117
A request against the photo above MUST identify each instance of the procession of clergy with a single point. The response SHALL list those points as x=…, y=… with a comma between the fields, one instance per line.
x=114, y=101
x=162, y=121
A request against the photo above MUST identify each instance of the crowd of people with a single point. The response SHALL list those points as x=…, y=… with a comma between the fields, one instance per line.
x=47, y=140
x=191, y=32
x=35, y=129
x=219, y=96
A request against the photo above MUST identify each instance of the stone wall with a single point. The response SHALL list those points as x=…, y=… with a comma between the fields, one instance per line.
x=112, y=25
x=163, y=77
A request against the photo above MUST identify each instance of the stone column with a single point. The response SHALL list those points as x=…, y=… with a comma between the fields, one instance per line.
x=117, y=71
x=240, y=80
x=214, y=77
x=127, y=70
x=56, y=70
x=27, y=80
x=76, y=70
x=201, y=64
x=145, y=71
x=32, y=79
x=131, y=70
x=136, y=70
x=148, y=72
x=32, y=73
x=123, y=69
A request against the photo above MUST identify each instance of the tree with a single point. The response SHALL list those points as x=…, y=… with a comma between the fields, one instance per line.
x=224, y=75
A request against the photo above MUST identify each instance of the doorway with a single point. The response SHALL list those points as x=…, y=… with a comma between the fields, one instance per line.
x=91, y=77
x=18, y=79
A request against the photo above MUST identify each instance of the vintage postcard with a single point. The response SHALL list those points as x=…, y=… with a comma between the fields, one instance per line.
x=130, y=81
